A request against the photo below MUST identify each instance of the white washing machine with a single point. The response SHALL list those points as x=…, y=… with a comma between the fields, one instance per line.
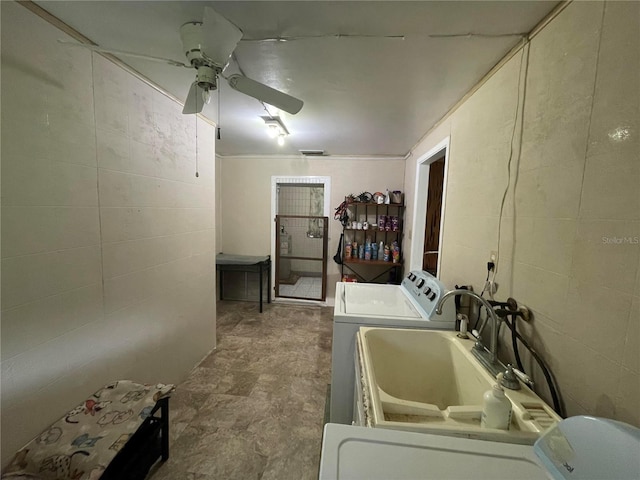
x=577, y=448
x=409, y=305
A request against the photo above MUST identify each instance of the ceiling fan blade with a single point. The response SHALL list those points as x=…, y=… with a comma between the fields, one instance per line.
x=265, y=94
x=95, y=48
x=194, y=102
x=220, y=37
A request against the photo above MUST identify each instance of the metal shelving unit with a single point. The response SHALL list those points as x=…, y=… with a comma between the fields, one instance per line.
x=371, y=270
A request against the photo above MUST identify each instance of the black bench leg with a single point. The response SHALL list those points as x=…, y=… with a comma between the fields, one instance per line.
x=164, y=410
x=261, y=278
x=269, y=280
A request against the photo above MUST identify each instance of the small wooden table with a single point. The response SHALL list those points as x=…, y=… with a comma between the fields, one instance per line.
x=245, y=263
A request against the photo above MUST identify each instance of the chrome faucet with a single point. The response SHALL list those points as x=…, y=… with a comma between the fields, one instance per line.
x=493, y=345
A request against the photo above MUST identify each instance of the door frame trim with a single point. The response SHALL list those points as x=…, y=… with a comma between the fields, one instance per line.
x=420, y=202
x=275, y=180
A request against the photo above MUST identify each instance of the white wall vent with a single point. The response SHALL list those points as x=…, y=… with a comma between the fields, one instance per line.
x=313, y=153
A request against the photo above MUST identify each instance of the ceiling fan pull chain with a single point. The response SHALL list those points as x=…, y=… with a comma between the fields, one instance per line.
x=197, y=174
x=218, y=125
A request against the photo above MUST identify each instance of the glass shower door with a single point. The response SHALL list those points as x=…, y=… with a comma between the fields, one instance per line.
x=301, y=257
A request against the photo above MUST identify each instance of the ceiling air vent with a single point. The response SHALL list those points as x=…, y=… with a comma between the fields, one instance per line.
x=313, y=153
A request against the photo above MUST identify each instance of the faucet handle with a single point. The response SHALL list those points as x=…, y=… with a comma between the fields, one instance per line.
x=509, y=379
x=478, y=345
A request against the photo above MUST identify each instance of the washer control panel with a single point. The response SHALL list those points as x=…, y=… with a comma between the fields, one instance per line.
x=426, y=290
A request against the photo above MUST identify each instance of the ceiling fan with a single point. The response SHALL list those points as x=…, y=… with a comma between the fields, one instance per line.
x=208, y=46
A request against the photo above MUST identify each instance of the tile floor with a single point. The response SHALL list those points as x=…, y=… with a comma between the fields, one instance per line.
x=305, y=287
x=254, y=408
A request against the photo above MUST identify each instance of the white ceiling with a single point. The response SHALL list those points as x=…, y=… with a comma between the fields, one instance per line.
x=366, y=92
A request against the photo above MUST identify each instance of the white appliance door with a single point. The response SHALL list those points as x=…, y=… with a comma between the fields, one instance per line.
x=378, y=454
x=378, y=301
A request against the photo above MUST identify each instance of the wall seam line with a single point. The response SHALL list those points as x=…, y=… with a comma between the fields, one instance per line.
x=586, y=148
x=526, y=50
x=95, y=139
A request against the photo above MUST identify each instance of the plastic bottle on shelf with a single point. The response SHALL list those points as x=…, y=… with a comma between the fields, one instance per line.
x=387, y=253
x=374, y=251
x=395, y=252
x=381, y=251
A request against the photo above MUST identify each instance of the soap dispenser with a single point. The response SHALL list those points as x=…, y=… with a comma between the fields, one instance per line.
x=496, y=408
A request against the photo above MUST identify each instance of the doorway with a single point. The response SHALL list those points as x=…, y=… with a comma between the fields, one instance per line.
x=429, y=204
x=300, y=237
x=431, y=250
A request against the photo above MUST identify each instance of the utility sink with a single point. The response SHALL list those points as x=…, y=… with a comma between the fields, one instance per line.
x=429, y=381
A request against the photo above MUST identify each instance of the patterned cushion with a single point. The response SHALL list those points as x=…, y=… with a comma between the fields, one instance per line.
x=80, y=445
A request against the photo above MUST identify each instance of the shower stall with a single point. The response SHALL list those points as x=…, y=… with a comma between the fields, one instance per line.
x=301, y=241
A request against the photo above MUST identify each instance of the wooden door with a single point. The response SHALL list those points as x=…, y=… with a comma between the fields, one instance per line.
x=432, y=223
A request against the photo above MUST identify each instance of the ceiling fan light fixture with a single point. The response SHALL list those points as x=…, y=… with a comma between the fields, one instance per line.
x=206, y=96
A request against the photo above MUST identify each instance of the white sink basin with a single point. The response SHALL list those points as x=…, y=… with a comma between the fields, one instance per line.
x=428, y=381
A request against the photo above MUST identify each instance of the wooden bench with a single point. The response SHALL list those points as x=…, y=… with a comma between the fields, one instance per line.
x=118, y=433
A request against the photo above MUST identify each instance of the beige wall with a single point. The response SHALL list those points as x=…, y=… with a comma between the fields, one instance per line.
x=246, y=197
x=107, y=236
x=576, y=188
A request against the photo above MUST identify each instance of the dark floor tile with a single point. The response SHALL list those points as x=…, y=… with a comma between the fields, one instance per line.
x=236, y=413
x=296, y=461
x=202, y=380
x=218, y=454
x=237, y=383
x=184, y=405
